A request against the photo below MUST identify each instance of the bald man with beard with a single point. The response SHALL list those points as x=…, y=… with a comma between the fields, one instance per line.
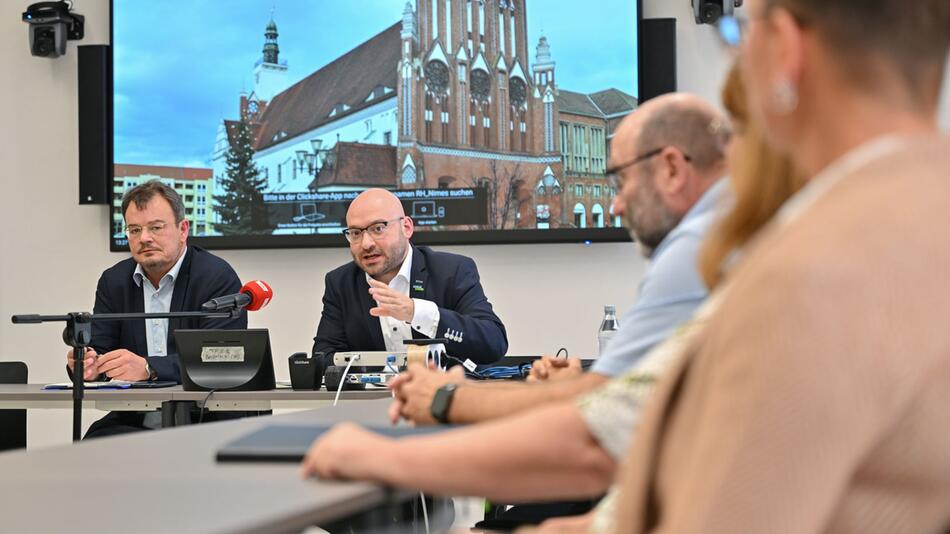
x=393, y=291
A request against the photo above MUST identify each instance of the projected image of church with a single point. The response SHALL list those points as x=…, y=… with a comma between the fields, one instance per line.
x=451, y=107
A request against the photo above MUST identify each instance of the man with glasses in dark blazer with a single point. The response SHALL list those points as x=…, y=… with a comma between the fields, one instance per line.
x=164, y=274
x=393, y=291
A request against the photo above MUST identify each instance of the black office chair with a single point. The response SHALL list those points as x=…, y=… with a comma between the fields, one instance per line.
x=12, y=422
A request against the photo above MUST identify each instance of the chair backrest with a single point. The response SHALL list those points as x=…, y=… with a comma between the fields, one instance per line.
x=12, y=422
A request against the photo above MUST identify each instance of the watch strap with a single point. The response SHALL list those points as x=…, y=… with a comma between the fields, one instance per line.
x=152, y=374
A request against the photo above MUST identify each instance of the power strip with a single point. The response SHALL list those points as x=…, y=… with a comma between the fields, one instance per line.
x=369, y=378
x=371, y=358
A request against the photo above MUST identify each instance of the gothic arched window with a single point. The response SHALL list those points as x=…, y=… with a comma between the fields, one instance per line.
x=481, y=85
x=408, y=175
x=597, y=214
x=580, y=216
x=437, y=77
x=517, y=92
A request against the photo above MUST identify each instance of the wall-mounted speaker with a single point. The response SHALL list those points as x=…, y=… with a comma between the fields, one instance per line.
x=657, y=57
x=95, y=124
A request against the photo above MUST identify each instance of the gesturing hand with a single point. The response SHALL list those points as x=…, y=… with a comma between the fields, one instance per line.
x=390, y=303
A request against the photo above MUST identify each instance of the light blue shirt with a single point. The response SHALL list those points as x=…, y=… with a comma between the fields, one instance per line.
x=670, y=291
x=157, y=301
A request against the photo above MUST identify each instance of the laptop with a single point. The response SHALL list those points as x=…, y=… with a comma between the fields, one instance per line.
x=289, y=443
x=233, y=360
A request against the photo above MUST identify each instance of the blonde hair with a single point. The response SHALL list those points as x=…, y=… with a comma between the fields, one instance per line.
x=761, y=179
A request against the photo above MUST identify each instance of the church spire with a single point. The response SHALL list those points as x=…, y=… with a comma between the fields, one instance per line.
x=542, y=57
x=271, y=50
x=270, y=73
x=408, y=22
x=543, y=64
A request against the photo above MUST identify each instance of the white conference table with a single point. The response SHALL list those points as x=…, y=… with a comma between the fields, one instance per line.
x=168, y=481
x=33, y=396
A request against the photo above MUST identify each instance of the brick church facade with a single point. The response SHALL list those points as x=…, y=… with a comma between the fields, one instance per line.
x=471, y=115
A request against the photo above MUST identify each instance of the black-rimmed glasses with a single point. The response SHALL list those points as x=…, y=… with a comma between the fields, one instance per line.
x=377, y=229
x=613, y=173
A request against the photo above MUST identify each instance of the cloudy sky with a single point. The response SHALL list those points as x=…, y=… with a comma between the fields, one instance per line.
x=180, y=65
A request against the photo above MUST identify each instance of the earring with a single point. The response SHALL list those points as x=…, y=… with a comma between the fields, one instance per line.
x=784, y=97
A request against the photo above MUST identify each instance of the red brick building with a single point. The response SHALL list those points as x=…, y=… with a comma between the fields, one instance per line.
x=471, y=115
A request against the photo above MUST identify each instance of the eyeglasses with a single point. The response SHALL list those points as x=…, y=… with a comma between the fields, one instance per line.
x=377, y=229
x=613, y=173
x=134, y=231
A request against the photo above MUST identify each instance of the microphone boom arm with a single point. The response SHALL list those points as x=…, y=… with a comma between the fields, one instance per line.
x=78, y=334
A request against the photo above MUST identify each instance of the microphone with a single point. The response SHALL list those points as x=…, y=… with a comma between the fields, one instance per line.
x=254, y=295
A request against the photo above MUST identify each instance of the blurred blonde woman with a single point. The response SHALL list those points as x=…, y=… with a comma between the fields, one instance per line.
x=761, y=180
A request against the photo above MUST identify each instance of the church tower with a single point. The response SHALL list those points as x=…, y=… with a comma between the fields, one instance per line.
x=547, y=92
x=271, y=50
x=407, y=92
x=472, y=113
x=270, y=74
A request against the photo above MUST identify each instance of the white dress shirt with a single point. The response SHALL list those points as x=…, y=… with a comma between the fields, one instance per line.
x=425, y=318
x=157, y=300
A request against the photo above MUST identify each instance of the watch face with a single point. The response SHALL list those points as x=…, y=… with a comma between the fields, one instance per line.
x=441, y=402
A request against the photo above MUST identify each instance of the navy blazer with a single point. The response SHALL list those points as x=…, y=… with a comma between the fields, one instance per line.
x=449, y=280
x=202, y=277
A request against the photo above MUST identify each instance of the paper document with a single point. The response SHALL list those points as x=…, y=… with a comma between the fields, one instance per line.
x=109, y=384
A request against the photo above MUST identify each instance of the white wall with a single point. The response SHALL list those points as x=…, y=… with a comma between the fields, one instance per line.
x=52, y=250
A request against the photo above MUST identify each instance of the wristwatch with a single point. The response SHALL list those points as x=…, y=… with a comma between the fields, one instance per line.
x=441, y=403
x=152, y=374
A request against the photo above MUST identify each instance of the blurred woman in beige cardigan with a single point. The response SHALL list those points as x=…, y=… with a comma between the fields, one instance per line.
x=816, y=398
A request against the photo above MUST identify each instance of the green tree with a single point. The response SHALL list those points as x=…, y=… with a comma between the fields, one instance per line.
x=241, y=208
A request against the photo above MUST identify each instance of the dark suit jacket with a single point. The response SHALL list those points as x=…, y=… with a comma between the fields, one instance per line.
x=449, y=280
x=202, y=277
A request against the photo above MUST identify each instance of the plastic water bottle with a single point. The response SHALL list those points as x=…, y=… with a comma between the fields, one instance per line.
x=608, y=327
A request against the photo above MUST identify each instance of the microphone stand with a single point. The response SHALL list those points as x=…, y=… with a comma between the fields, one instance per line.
x=78, y=335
